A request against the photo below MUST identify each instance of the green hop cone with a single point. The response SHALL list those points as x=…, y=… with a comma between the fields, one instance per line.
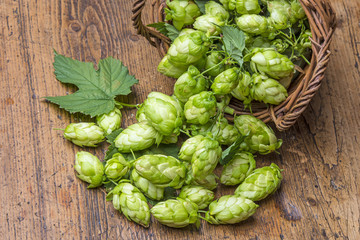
x=181, y=12
x=169, y=69
x=229, y=4
x=176, y=213
x=89, y=169
x=84, y=134
x=110, y=122
x=226, y=81
x=148, y=188
x=189, y=84
x=209, y=24
x=213, y=8
x=271, y=63
x=163, y=113
x=208, y=182
x=131, y=202
x=279, y=14
x=296, y=12
x=213, y=63
x=261, y=183
x=230, y=209
x=198, y=195
x=304, y=42
x=116, y=167
x=188, y=148
x=170, y=139
x=140, y=115
x=188, y=48
x=200, y=108
x=267, y=90
x=259, y=42
x=252, y=24
x=205, y=158
x=137, y=137
x=224, y=133
x=242, y=90
x=161, y=170
x=279, y=45
x=247, y=6
x=235, y=171
x=261, y=138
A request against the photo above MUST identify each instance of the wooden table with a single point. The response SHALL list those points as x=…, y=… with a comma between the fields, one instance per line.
x=42, y=199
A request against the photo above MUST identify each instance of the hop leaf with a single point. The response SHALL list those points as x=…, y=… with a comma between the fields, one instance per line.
x=97, y=88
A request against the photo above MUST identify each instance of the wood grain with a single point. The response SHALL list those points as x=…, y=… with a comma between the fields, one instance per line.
x=40, y=195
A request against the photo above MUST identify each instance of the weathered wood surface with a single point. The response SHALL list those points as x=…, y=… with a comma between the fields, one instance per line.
x=40, y=195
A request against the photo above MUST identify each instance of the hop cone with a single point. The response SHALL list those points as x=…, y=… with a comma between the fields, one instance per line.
x=131, y=202
x=267, y=90
x=163, y=171
x=175, y=213
x=189, y=84
x=235, y=171
x=188, y=148
x=209, y=24
x=136, y=137
x=261, y=183
x=279, y=14
x=84, y=134
x=200, y=108
x=261, y=138
x=169, y=69
x=247, y=6
x=252, y=24
x=224, y=133
x=116, y=167
x=211, y=61
x=181, y=13
x=296, y=12
x=208, y=182
x=226, y=81
x=188, y=48
x=163, y=113
x=205, y=158
x=148, y=188
x=198, y=195
x=109, y=122
x=89, y=169
x=230, y=209
x=242, y=90
x=213, y=8
x=271, y=63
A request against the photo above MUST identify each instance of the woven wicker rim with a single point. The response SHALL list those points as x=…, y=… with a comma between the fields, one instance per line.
x=322, y=21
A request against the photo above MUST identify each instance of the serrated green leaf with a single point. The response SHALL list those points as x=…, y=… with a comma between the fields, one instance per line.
x=112, y=136
x=201, y=5
x=110, y=152
x=97, y=89
x=234, y=42
x=229, y=153
x=167, y=29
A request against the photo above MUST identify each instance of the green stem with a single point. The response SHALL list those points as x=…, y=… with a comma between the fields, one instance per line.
x=61, y=129
x=215, y=66
x=133, y=154
x=305, y=59
x=128, y=105
x=229, y=110
x=186, y=132
x=113, y=182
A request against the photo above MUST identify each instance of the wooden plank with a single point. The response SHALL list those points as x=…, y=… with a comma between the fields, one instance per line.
x=42, y=198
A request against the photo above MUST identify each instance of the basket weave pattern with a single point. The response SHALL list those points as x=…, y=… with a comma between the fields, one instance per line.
x=322, y=21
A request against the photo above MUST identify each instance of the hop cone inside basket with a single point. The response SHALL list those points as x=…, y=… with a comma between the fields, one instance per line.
x=263, y=54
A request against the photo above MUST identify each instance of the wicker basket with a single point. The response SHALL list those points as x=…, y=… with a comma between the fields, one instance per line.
x=322, y=21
